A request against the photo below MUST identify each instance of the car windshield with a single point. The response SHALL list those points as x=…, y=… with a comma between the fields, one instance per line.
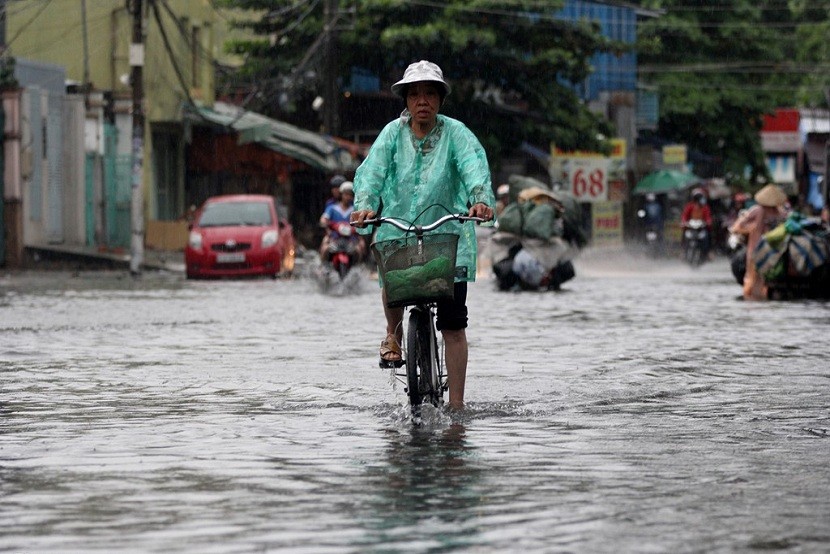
x=228, y=214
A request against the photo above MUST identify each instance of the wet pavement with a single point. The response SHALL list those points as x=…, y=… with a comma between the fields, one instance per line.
x=642, y=409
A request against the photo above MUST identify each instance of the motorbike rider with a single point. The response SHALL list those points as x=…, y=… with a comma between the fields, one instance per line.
x=502, y=197
x=698, y=208
x=765, y=215
x=334, y=184
x=738, y=204
x=339, y=212
x=653, y=216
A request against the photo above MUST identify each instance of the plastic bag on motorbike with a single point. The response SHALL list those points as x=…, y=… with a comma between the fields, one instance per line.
x=776, y=236
x=541, y=222
x=807, y=252
x=766, y=259
x=512, y=218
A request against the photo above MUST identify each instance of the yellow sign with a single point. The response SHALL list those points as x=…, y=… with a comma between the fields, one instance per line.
x=607, y=223
x=674, y=154
x=617, y=151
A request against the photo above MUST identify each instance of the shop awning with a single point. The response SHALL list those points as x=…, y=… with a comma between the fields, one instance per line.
x=322, y=152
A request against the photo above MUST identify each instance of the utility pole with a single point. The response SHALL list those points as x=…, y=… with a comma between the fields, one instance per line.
x=3, y=7
x=86, y=54
x=331, y=102
x=137, y=177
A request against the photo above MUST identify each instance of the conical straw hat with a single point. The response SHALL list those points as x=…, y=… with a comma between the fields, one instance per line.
x=534, y=192
x=771, y=196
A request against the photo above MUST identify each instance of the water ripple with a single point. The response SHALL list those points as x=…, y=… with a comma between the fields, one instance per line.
x=643, y=409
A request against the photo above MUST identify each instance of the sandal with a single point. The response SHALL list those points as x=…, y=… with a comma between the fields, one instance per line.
x=390, y=353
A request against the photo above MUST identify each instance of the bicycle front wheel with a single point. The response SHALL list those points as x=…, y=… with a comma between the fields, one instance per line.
x=421, y=359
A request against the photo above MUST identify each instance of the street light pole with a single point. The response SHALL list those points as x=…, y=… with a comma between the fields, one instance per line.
x=137, y=175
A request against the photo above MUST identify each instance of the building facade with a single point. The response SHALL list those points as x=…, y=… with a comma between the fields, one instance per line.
x=76, y=57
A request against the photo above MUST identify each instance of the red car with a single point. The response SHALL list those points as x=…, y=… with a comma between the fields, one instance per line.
x=238, y=236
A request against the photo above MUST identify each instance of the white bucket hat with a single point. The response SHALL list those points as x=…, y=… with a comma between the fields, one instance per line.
x=420, y=71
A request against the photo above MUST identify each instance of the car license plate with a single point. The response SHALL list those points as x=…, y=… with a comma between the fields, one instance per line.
x=230, y=257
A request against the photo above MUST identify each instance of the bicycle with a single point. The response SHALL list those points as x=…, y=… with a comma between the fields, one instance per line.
x=417, y=271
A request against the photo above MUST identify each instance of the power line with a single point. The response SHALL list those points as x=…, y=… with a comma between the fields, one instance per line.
x=744, y=87
x=279, y=12
x=728, y=7
x=26, y=25
x=169, y=49
x=21, y=6
x=300, y=19
x=288, y=82
x=737, y=25
x=736, y=67
x=51, y=39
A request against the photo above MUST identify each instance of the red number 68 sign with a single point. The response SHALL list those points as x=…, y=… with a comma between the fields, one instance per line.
x=589, y=179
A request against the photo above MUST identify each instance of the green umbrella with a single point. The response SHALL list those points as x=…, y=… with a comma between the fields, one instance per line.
x=665, y=180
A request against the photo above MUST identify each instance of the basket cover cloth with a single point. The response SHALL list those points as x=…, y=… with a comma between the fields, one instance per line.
x=413, y=272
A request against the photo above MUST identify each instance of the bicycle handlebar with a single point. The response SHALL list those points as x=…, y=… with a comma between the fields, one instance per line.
x=411, y=228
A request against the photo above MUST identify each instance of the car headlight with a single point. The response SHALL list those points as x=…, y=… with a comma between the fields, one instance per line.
x=269, y=238
x=195, y=240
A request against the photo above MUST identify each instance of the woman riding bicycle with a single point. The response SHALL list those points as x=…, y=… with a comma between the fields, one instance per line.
x=422, y=166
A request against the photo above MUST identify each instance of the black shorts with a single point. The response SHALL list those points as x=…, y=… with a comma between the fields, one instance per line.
x=452, y=314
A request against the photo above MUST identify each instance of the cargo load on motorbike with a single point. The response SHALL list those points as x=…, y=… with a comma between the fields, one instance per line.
x=539, y=233
x=793, y=258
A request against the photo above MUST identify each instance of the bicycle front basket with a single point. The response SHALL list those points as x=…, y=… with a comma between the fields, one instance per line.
x=414, y=273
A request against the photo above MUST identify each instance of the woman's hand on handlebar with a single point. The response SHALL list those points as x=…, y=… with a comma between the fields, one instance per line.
x=358, y=217
x=481, y=210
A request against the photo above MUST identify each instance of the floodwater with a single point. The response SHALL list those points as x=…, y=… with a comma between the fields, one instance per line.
x=642, y=409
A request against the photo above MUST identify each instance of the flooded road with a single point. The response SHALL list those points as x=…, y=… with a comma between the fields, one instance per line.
x=642, y=409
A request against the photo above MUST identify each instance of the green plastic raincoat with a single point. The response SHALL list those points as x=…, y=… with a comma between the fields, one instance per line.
x=421, y=180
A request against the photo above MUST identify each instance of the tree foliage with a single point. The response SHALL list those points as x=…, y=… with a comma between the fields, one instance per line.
x=720, y=65
x=508, y=61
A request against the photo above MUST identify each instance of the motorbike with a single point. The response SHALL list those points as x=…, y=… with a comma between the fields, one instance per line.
x=803, y=270
x=736, y=250
x=519, y=271
x=342, y=251
x=651, y=235
x=695, y=240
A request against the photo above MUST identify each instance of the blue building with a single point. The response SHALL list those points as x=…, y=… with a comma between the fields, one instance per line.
x=618, y=21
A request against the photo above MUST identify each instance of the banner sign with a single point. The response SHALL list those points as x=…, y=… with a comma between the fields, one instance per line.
x=607, y=223
x=674, y=154
x=588, y=179
x=589, y=176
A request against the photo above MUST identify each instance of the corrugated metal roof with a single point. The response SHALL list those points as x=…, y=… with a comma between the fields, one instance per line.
x=319, y=151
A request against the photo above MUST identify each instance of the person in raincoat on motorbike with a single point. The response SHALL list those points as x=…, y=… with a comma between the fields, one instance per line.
x=697, y=208
x=422, y=166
